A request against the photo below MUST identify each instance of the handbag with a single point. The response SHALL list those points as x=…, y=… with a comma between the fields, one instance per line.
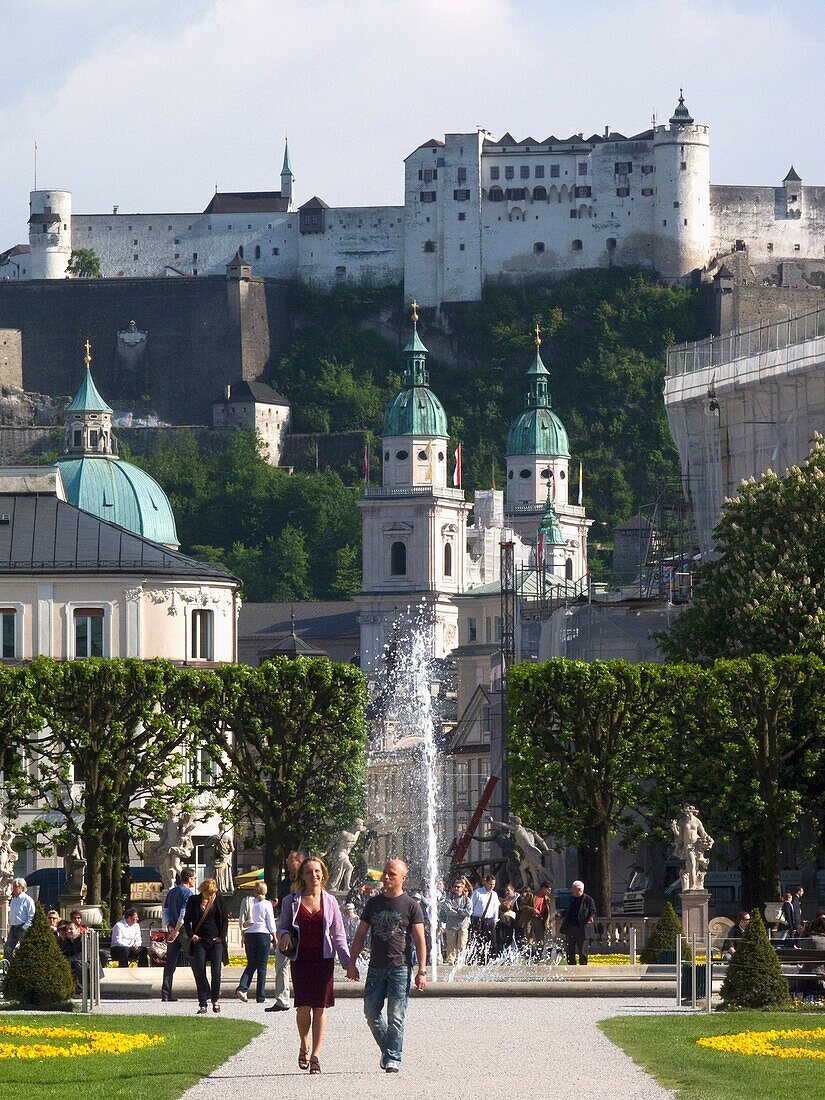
x=190, y=947
x=292, y=950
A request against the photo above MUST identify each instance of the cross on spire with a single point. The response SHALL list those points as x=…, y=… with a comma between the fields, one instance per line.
x=537, y=340
x=414, y=306
x=88, y=359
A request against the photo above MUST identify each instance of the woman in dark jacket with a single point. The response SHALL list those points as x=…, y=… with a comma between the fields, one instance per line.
x=205, y=922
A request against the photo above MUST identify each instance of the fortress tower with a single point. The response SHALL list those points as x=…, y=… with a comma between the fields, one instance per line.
x=287, y=178
x=682, y=216
x=50, y=234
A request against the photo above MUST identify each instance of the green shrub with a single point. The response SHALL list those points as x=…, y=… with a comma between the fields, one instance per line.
x=663, y=936
x=754, y=978
x=38, y=974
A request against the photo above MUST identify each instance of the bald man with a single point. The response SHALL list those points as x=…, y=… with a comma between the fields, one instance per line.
x=394, y=921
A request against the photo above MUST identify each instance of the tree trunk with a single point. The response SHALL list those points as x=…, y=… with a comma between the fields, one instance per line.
x=594, y=867
x=273, y=855
x=93, y=850
x=759, y=864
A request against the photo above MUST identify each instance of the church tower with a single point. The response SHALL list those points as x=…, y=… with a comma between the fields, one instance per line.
x=538, y=471
x=414, y=526
x=287, y=178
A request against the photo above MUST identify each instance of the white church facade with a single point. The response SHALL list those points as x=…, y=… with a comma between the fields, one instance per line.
x=475, y=209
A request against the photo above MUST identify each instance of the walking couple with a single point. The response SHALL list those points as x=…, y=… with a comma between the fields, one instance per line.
x=311, y=933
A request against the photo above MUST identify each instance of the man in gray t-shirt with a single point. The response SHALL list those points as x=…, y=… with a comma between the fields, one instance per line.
x=395, y=922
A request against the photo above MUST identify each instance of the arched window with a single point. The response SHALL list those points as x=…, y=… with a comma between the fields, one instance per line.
x=495, y=194
x=257, y=252
x=577, y=245
x=568, y=569
x=539, y=194
x=611, y=243
x=398, y=559
x=448, y=559
x=240, y=251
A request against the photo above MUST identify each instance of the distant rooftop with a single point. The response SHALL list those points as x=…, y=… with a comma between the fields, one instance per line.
x=247, y=202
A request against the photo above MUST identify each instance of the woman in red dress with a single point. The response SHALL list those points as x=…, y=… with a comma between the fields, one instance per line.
x=310, y=920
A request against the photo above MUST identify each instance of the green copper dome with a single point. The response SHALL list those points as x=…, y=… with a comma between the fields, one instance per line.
x=121, y=493
x=87, y=398
x=415, y=410
x=550, y=527
x=538, y=431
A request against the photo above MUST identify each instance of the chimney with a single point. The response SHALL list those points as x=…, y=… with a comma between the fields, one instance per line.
x=607, y=131
x=115, y=209
x=227, y=393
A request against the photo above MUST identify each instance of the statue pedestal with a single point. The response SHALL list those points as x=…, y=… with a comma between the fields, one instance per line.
x=695, y=913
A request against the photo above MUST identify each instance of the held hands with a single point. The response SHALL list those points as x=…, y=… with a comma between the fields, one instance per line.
x=352, y=972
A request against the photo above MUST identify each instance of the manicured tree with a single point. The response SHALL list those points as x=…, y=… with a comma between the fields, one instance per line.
x=109, y=754
x=84, y=263
x=754, y=978
x=663, y=936
x=293, y=738
x=584, y=738
x=39, y=975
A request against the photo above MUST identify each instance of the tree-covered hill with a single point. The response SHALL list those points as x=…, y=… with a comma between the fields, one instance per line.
x=604, y=340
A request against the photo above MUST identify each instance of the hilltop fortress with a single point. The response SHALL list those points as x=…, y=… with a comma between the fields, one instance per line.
x=475, y=209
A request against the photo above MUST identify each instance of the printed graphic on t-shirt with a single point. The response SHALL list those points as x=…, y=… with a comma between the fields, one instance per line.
x=385, y=923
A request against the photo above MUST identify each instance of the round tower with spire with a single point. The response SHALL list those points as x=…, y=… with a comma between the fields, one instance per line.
x=682, y=227
x=414, y=525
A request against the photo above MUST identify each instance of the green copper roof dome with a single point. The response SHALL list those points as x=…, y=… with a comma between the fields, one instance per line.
x=87, y=398
x=550, y=527
x=121, y=493
x=538, y=431
x=415, y=410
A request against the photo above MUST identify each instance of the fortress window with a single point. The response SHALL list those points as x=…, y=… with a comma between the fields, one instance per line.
x=623, y=167
x=427, y=196
x=611, y=243
x=257, y=252
x=647, y=191
x=429, y=175
x=177, y=255
x=398, y=560
x=276, y=251
x=134, y=241
x=509, y=172
x=574, y=213
x=622, y=192
x=462, y=175
x=194, y=256
x=177, y=240
x=462, y=217
x=796, y=248
x=515, y=194
x=583, y=192
x=647, y=169
x=495, y=194
x=539, y=194
x=429, y=246
x=539, y=172
x=770, y=246
x=685, y=222
x=676, y=206
x=555, y=171
x=134, y=255
x=248, y=227
x=538, y=246
x=576, y=245
x=448, y=559
x=524, y=172
x=194, y=271
x=683, y=165
x=495, y=173
x=461, y=247
x=462, y=194
x=583, y=168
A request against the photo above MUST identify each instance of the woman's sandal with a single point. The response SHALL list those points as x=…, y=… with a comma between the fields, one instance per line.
x=314, y=1065
x=303, y=1058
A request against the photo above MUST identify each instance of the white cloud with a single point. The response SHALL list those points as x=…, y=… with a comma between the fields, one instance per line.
x=152, y=114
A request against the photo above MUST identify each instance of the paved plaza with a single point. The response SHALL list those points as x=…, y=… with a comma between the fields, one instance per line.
x=498, y=1048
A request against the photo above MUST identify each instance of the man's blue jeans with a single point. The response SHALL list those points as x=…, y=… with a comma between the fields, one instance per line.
x=390, y=984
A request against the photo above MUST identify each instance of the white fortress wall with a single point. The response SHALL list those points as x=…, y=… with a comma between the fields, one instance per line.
x=767, y=223
x=356, y=242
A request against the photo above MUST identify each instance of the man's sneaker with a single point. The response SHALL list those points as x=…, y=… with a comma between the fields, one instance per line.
x=241, y=995
x=383, y=1063
x=392, y=1067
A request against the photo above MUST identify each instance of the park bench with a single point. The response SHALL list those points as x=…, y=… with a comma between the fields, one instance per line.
x=800, y=955
x=812, y=959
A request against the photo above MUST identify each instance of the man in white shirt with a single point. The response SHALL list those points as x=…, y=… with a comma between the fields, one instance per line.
x=484, y=906
x=127, y=942
x=21, y=912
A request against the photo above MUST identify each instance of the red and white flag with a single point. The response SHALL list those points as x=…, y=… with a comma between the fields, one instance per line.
x=366, y=458
x=457, y=470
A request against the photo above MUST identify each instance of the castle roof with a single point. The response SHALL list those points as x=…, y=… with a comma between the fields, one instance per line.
x=44, y=219
x=314, y=204
x=286, y=167
x=251, y=391
x=433, y=143
x=792, y=176
x=681, y=114
x=247, y=202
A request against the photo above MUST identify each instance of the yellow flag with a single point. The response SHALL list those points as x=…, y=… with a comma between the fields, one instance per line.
x=429, y=461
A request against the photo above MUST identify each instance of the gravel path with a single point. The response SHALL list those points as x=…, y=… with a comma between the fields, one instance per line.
x=513, y=1045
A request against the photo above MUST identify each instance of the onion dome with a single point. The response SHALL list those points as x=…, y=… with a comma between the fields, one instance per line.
x=550, y=527
x=681, y=115
x=415, y=410
x=538, y=431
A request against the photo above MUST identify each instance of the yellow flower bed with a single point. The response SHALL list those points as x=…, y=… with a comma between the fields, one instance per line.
x=93, y=1042
x=763, y=1043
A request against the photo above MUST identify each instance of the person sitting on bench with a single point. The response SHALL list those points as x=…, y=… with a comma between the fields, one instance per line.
x=127, y=943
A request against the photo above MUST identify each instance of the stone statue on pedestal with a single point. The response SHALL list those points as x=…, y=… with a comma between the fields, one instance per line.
x=75, y=867
x=532, y=850
x=8, y=857
x=338, y=861
x=175, y=846
x=692, y=846
x=223, y=847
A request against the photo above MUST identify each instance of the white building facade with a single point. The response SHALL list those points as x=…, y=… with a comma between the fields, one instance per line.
x=474, y=209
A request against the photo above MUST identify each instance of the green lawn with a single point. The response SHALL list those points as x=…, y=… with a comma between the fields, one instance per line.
x=666, y=1047
x=192, y=1048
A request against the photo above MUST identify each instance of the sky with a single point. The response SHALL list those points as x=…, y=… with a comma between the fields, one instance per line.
x=148, y=104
